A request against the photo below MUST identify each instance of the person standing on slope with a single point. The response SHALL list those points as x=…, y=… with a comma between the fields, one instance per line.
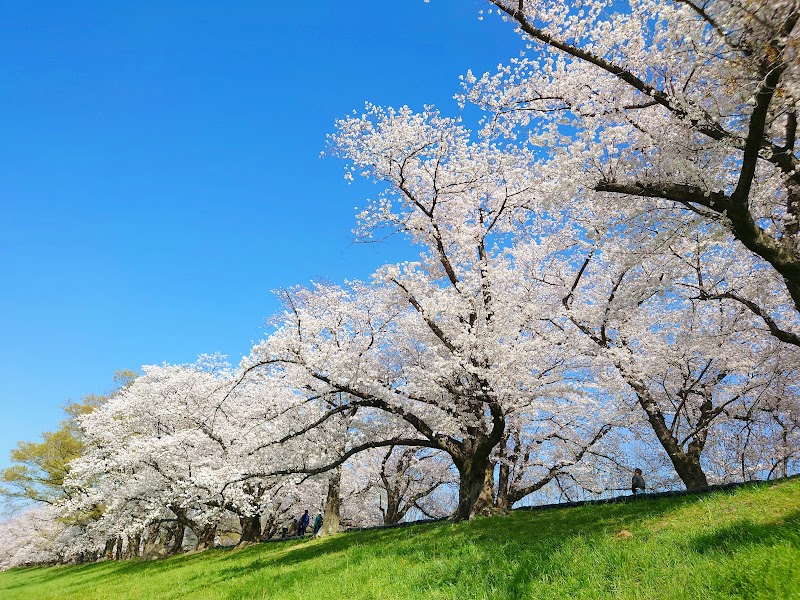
x=304, y=521
x=317, y=523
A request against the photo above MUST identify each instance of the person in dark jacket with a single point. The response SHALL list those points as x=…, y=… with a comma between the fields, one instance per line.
x=317, y=524
x=637, y=482
x=304, y=521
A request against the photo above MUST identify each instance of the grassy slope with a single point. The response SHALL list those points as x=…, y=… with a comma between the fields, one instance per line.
x=726, y=545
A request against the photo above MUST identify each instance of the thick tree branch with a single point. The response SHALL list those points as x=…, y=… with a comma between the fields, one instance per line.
x=782, y=257
x=785, y=336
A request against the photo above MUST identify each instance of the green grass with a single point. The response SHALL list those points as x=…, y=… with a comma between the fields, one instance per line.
x=742, y=544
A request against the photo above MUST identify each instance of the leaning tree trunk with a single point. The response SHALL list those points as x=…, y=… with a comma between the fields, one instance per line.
x=153, y=545
x=270, y=527
x=687, y=464
x=333, y=504
x=251, y=528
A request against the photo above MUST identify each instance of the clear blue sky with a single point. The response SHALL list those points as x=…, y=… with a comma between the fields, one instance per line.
x=160, y=171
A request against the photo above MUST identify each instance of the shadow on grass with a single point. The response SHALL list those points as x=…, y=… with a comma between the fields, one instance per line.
x=746, y=534
x=505, y=553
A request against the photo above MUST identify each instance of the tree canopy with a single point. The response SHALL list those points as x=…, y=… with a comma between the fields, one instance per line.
x=603, y=272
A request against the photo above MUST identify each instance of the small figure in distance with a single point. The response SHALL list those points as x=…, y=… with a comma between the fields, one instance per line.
x=284, y=532
x=304, y=521
x=317, y=523
x=637, y=482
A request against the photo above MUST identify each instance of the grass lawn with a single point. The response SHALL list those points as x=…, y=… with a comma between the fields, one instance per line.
x=739, y=544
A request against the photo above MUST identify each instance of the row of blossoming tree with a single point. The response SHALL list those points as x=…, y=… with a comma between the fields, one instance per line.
x=605, y=274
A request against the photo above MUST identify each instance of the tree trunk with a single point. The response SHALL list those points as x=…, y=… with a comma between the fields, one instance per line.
x=687, y=464
x=391, y=516
x=689, y=470
x=333, y=503
x=206, y=535
x=502, y=503
x=270, y=527
x=177, y=543
x=108, y=550
x=251, y=528
x=785, y=461
x=476, y=488
x=134, y=544
x=153, y=545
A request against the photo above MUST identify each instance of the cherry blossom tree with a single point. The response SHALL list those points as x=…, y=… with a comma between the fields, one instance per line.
x=396, y=482
x=33, y=537
x=438, y=352
x=695, y=368
x=606, y=272
x=166, y=456
x=683, y=103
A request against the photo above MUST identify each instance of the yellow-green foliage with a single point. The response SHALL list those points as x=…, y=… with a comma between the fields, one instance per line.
x=39, y=468
x=742, y=544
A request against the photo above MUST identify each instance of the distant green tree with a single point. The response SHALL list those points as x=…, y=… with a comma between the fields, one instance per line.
x=39, y=468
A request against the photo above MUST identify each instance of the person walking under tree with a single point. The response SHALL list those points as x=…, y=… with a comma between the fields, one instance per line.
x=304, y=521
x=637, y=482
x=317, y=523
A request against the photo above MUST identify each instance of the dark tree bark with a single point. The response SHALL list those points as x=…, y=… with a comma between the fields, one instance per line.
x=174, y=541
x=686, y=462
x=251, y=528
x=134, y=545
x=205, y=536
x=476, y=472
x=108, y=550
x=476, y=489
x=270, y=527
